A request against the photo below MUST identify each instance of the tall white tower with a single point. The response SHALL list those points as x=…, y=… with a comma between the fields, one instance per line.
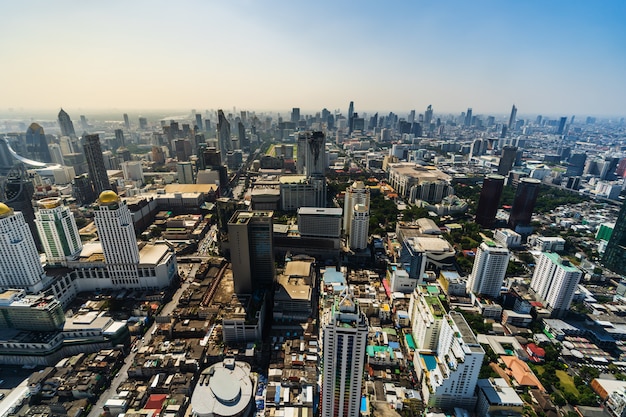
x=554, y=281
x=20, y=266
x=489, y=269
x=117, y=234
x=359, y=228
x=357, y=193
x=345, y=339
x=58, y=231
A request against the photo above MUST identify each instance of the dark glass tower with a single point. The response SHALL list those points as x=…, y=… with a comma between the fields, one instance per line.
x=507, y=159
x=223, y=133
x=524, y=202
x=66, y=125
x=615, y=254
x=82, y=190
x=489, y=200
x=37, y=144
x=18, y=192
x=95, y=164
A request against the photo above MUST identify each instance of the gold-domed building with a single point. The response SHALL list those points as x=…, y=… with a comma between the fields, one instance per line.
x=5, y=210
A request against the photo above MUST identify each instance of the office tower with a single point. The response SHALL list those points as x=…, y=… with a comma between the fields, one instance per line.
x=576, y=164
x=66, y=125
x=507, y=159
x=554, y=282
x=119, y=138
x=357, y=193
x=320, y=222
x=184, y=170
x=82, y=190
x=359, y=227
x=126, y=122
x=158, y=156
x=489, y=270
x=56, y=155
x=295, y=115
x=350, y=116
x=614, y=256
x=223, y=133
x=58, y=231
x=37, y=144
x=182, y=149
x=511, y=125
x=95, y=164
x=524, y=202
x=373, y=122
x=428, y=115
x=19, y=260
x=18, y=190
x=344, y=333
x=251, y=250
x=468, y=117
x=116, y=231
x=561, y=129
x=315, y=154
x=449, y=358
x=489, y=200
x=244, y=141
x=143, y=123
x=133, y=171
x=83, y=122
x=199, y=121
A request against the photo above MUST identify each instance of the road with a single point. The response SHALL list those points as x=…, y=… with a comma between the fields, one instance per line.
x=122, y=375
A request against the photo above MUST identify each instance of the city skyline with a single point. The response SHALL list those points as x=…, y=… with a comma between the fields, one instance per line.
x=545, y=58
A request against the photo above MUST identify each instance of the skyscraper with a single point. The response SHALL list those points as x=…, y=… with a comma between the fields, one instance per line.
x=561, y=129
x=116, y=231
x=315, y=156
x=428, y=116
x=244, y=142
x=524, y=202
x=350, y=117
x=511, y=125
x=18, y=193
x=82, y=190
x=554, y=282
x=468, y=117
x=37, y=144
x=356, y=194
x=58, y=231
x=20, y=266
x=344, y=333
x=507, y=159
x=489, y=270
x=66, y=125
x=295, y=114
x=359, y=228
x=95, y=164
x=251, y=250
x=489, y=200
x=199, y=121
x=126, y=122
x=614, y=256
x=223, y=134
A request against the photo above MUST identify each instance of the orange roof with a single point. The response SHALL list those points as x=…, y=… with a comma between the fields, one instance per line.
x=520, y=371
x=155, y=402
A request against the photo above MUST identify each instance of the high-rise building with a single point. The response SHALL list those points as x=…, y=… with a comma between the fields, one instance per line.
x=126, y=122
x=554, y=282
x=428, y=116
x=561, y=128
x=315, y=154
x=295, y=114
x=524, y=202
x=357, y=193
x=58, y=231
x=468, y=117
x=359, y=228
x=119, y=138
x=223, y=133
x=576, y=164
x=116, y=231
x=18, y=193
x=615, y=253
x=143, y=123
x=350, y=117
x=37, y=144
x=489, y=270
x=95, y=163
x=20, y=266
x=82, y=190
x=507, y=159
x=185, y=172
x=511, y=125
x=489, y=200
x=344, y=333
x=251, y=250
x=244, y=141
x=199, y=121
x=66, y=125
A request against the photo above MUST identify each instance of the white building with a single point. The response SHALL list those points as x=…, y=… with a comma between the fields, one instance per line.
x=507, y=238
x=554, y=282
x=355, y=194
x=359, y=227
x=344, y=332
x=185, y=172
x=489, y=269
x=549, y=244
x=494, y=395
x=20, y=266
x=58, y=231
x=117, y=234
x=133, y=171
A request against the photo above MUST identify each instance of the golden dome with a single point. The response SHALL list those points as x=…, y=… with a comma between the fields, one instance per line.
x=5, y=210
x=49, y=203
x=107, y=197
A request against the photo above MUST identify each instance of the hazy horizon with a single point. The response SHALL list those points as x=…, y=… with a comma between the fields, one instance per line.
x=551, y=58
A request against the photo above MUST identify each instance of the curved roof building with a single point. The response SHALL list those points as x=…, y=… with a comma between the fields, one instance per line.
x=224, y=390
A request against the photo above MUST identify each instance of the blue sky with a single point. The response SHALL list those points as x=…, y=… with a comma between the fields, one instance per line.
x=548, y=57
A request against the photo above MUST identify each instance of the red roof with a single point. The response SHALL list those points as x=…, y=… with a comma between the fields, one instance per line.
x=155, y=402
x=536, y=304
x=536, y=350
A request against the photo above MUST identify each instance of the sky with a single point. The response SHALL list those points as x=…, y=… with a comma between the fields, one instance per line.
x=547, y=57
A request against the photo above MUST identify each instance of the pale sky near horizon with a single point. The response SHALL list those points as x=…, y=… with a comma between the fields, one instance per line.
x=550, y=57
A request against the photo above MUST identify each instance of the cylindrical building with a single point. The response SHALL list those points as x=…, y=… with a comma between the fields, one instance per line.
x=489, y=200
x=524, y=202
